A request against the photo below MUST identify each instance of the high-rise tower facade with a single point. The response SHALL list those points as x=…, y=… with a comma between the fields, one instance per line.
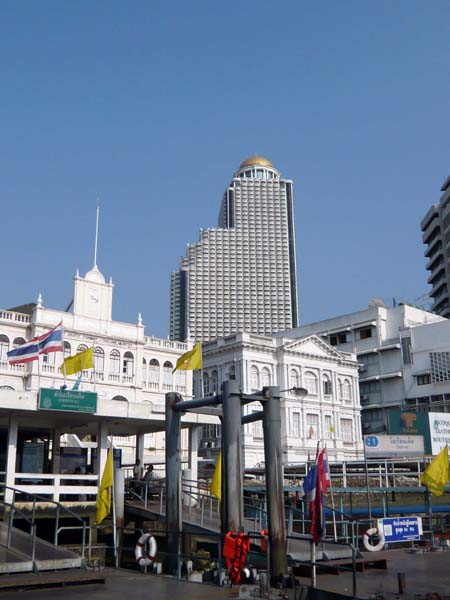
x=436, y=235
x=241, y=276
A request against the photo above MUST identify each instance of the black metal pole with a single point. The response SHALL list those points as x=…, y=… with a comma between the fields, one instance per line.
x=274, y=484
x=233, y=468
x=173, y=481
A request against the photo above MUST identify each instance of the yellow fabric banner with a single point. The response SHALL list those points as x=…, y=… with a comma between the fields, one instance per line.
x=190, y=360
x=216, y=483
x=79, y=362
x=103, y=504
x=436, y=475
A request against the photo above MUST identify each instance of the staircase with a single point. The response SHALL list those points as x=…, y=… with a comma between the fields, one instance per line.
x=22, y=551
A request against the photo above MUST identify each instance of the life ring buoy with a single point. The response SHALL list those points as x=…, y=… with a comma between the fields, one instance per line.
x=375, y=547
x=145, y=550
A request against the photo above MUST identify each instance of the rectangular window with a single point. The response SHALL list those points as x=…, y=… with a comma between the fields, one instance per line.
x=406, y=350
x=295, y=424
x=327, y=427
x=423, y=379
x=347, y=430
x=312, y=426
x=365, y=333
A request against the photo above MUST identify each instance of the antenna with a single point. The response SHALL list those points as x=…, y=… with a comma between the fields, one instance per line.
x=96, y=234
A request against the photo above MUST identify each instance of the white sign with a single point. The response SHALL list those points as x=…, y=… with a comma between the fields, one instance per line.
x=439, y=431
x=393, y=445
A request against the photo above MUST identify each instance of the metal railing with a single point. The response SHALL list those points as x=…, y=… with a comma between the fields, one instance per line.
x=37, y=498
x=12, y=510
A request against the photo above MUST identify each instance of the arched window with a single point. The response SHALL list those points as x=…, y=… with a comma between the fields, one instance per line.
x=67, y=349
x=346, y=390
x=128, y=364
x=254, y=378
x=232, y=373
x=114, y=362
x=214, y=382
x=6, y=387
x=294, y=378
x=265, y=377
x=326, y=382
x=120, y=398
x=167, y=375
x=153, y=373
x=206, y=384
x=311, y=383
x=99, y=359
x=18, y=341
x=81, y=348
x=4, y=347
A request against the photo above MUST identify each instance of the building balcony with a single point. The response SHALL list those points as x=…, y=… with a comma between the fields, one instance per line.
x=13, y=317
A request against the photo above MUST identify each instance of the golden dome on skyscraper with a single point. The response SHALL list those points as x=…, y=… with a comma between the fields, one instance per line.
x=256, y=160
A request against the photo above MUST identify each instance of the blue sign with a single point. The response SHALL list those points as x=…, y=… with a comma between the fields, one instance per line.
x=401, y=529
x=372, y=441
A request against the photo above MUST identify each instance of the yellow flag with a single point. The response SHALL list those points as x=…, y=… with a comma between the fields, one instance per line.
x=190, y=360
x=103, y=504
x=436, y=475
x=216, y=483
x=79, y=362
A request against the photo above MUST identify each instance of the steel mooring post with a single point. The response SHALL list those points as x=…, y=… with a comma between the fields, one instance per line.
x=173, y=482
x=274, y=484
x=232, y=458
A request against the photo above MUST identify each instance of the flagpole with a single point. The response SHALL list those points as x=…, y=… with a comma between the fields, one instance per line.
x=332, y=497
x=113, y=494
x=62, y=344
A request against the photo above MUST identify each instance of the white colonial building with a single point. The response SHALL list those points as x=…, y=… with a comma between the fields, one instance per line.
x=395, y=348
x=330, y=413
x=131, y=376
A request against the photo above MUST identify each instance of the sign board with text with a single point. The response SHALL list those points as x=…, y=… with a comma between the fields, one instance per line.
x=409, y=422
x=393, y=445
x=439, y=431
x=67, y=400
x=401, y=529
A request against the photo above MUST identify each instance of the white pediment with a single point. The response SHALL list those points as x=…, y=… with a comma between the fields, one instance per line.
x=312, y=345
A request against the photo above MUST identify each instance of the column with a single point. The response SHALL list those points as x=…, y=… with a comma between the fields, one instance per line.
x=102, y=447
x=140, y=445
x=11, y=457
x=194, y=433
x=56, y=445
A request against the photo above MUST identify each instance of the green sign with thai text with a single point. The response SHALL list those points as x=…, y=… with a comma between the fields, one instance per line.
x=69, y=400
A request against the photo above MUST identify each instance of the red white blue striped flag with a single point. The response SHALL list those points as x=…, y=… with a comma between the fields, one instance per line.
x=43, y=344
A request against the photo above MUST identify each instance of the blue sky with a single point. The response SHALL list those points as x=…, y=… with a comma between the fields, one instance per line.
x=152, y=105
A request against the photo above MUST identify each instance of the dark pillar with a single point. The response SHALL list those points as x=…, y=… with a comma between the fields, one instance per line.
x=274, y=483
x=232, y=458
x=173, y=481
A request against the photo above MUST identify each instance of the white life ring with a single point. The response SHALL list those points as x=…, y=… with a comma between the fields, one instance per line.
x=376, y=547
x=143, y=556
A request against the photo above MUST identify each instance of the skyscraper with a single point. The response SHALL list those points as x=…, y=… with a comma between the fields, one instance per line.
x=436, y=235
x=241, y=276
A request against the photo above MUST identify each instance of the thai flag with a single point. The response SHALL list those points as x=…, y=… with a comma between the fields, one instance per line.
x=43, y=344
x=316, y=484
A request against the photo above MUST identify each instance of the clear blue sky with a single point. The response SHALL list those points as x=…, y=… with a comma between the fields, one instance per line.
x=152, y=105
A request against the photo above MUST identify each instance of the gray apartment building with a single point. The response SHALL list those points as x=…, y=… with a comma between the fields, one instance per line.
x=241, y=276
x=436, y=235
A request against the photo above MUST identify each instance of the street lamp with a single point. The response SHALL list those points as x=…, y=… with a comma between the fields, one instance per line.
x=299, y=392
